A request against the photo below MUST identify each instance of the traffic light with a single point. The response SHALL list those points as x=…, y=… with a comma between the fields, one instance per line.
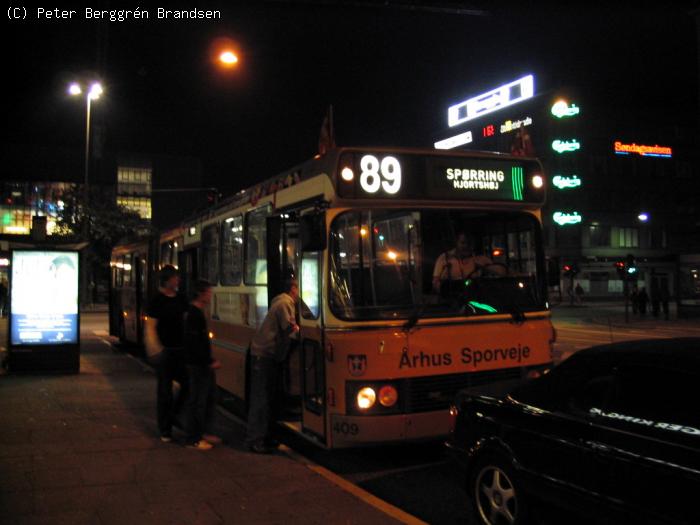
x=631, y=265
x=621, y=270
x=570, y=270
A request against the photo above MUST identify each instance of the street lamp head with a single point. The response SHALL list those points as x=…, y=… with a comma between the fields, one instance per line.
x=74, y=89
x=95, y=91
x=228, y=58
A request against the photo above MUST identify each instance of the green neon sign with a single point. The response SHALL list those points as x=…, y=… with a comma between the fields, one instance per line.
x=561, y=109
x=563, y=182
x=566, y=218
x=566, y=146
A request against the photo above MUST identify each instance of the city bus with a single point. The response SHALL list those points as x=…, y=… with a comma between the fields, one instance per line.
x=381, y=352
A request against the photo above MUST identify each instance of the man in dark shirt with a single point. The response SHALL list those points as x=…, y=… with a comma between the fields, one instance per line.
x=200, y=369
x=164, y=332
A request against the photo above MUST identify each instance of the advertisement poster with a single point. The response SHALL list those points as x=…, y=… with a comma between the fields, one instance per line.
x=44, y=298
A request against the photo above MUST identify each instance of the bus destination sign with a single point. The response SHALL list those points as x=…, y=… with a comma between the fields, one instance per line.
x=474, y=179
x=440, y=177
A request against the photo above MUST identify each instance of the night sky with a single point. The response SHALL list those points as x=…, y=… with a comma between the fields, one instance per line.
x=389, y=69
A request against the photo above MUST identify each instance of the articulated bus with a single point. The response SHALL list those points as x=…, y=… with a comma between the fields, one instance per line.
x=381, y=351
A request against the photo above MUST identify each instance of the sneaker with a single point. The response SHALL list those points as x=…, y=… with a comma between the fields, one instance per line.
x=201, y=445
x=166, y=439
x=211, y=438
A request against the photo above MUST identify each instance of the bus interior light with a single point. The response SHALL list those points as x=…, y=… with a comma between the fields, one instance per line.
x=388, y=396
x=366, y=398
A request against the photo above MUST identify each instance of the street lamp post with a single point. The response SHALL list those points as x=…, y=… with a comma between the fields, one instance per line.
x=93, y=94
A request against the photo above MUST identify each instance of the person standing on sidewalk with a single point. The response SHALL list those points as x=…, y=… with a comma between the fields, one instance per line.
x=164, y=336
x=201, y=403
x=642, y=299
x=664, y=297
x=269, y=349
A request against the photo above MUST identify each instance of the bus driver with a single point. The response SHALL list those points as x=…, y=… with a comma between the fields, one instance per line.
x=455, y=266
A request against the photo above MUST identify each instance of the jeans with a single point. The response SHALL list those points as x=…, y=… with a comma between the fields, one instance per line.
x=170, y=367
x=201, y=403
x=264, y=390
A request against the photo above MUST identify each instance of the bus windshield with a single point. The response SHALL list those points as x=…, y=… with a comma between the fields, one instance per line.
x=404, y=264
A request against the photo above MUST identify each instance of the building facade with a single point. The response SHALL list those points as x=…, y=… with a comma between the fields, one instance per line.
x=621, y=190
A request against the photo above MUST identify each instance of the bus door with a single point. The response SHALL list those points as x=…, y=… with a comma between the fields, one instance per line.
x=282, y=239
x=304, y=382
x=312, y=243
x=187, y=266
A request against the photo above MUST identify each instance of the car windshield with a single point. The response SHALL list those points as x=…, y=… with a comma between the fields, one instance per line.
x=426, y=263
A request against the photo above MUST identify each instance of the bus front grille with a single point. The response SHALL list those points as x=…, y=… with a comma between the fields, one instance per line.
x=425, y=394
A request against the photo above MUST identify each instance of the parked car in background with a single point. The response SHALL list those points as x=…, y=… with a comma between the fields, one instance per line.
x=612, y=433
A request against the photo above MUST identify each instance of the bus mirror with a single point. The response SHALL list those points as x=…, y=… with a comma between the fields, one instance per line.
x=312, y=230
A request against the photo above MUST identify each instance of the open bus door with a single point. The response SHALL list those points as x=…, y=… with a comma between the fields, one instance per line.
x=304, y=374
x=187, y=266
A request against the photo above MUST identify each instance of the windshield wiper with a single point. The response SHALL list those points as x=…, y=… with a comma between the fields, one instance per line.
x=414, y=317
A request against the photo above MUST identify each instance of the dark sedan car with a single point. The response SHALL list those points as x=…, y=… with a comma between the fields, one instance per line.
x=612, y=433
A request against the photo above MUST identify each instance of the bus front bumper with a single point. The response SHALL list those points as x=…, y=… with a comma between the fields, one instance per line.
x=349, y=431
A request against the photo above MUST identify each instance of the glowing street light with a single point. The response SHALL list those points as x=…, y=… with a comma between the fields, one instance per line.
x=94, y=92
x=228, y=58
x=643, y=217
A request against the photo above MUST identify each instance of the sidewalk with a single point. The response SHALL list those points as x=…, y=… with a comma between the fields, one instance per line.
x=83, y=449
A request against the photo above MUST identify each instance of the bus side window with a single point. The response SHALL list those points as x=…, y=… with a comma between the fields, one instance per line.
x=232, y=251
x=255, y=269
x=310, y=286
x=210, y=253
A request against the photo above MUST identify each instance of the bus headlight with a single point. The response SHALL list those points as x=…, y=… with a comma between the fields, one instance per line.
x=366, y=397
x=388, y=396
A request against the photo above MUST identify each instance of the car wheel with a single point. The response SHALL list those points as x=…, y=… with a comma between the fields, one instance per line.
x=498, y=497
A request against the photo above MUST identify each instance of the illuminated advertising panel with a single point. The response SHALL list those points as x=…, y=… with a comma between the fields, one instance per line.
x=644, y=151
x=494, y=100
x=444, y=177
x=44, y=298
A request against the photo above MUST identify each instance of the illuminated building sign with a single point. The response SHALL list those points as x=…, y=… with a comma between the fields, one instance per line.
x=564, y=218
x=453, y=142
x=499, y=98
x=489, y=131
x=564, y=183
x=441, y=177
x=565, y=146
x=512, y=125
x=561, y=109
x=644, y=151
